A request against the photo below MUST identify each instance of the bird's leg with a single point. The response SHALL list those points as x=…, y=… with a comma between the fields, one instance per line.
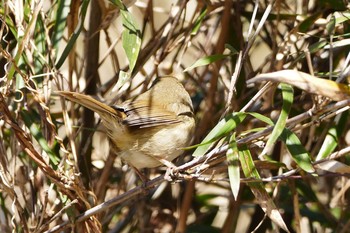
x=143, y=178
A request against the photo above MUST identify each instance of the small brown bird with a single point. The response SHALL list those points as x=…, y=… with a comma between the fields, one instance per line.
x=150, y=129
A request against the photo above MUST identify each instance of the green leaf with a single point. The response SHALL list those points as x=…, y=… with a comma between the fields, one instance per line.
x=258, y=189
x=331, y=25
x=343, y=17
x=119, y=4
x=131, y=39
x=22, y=38
x=318, y=46
x=287, y=95
x=313, y=48
x=224, y=127
x=73, y=38
x=9, y=23
x=122, y=78
x=63, y=8
x=308, y=22
x=329, y=144
x=248, y=167
x=34, y=128
x=331, y=140
x=233, y=166
x=41, y=51
x=297, y=150
x=206, y=60
x=131, y=36
x=261, y=117
x=198, y=21
x=231, y=48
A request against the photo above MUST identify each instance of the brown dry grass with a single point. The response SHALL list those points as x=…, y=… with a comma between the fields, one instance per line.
x=56, y=170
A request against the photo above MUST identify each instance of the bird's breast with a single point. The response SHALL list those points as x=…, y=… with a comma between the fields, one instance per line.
x=144, y=147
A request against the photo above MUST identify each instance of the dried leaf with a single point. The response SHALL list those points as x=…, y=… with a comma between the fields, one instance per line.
x=334, y=166
x=307, y=82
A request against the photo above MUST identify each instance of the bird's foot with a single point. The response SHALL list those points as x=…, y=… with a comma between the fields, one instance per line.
x=172, y=171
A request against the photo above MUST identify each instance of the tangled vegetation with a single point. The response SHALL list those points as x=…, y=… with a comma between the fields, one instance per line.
x=268, y=81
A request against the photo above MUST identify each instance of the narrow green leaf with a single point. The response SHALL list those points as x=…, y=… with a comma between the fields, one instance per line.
x=258, y=189
x=233, y=166
x=331, y=140
x=248, y=167
x=343, y=17
x=297, y=150
x=329, y=144
x=313, y=48
x=318, y=46
x=306, y=190
x=287, y=95
x=253, y=130
x=331, y=25
x=231, y=48
x=41, y=51
x=34, y=129
x=22, y=37
x=206, y=60
x=9, y=22
x=131, y=39
x=198, y=21
x=73, y=38
x=308, y=22
x=261, y=117
x=119, y=4
x=63, y=8
x=122, y=78
x=224, y=127
x=131, y=36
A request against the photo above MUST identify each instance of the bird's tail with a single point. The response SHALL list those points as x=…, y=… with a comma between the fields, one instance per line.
x=91, y=103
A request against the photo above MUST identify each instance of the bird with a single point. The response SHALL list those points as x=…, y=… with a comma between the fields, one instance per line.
x=148, y=130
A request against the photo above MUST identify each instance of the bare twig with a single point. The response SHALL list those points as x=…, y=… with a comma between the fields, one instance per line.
x=110, y=203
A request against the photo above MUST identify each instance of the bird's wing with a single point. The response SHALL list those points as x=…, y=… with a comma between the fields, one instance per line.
x=141, y=115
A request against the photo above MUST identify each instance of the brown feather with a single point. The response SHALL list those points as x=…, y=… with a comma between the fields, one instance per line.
x=91, y=103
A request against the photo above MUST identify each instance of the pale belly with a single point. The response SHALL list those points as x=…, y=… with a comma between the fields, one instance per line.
x=165, y=143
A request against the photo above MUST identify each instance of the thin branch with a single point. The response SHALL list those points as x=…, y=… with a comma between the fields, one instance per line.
x=110, y=203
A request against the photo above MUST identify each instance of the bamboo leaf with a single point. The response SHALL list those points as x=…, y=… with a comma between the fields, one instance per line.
x=206, y=61
x=73, y=38
x=297, y=150
x=261, y=117
x=331, y=25
x=131, y=36
x=63, y=7
x=198, y=21
x=308, y=22
x=122, y=78
x=331, y=140
x=287, y=95
x=257, y=188
x=34, y=129
x=233, y=166
x=224, y=127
